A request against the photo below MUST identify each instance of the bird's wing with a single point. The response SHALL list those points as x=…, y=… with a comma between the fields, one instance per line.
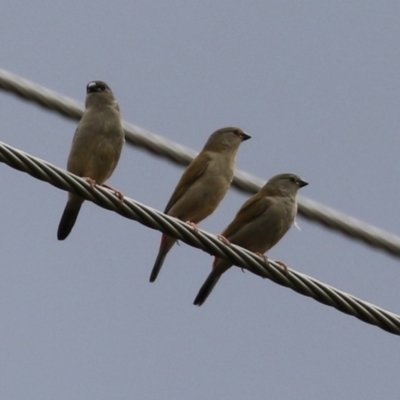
x=192, y=173
x=250, y=210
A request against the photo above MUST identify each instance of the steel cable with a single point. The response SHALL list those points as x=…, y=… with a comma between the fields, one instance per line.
x=154, y=219
x=155, y=144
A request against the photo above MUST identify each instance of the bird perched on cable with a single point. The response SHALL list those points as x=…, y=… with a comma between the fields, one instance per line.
x=203, y=185
x=96, y=147
x=259, y=224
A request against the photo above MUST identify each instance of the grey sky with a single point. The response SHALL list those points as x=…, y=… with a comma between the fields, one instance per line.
x=316, y=84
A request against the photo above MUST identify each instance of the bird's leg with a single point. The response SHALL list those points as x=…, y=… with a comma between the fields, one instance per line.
x=90, y=181
x=264, y=257
x=116, y=192
x=224, y=240
x=284, y=266
x=193, y=225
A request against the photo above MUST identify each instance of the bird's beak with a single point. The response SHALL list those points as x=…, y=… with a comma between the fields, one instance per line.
x=302, y=183
x=245, y=136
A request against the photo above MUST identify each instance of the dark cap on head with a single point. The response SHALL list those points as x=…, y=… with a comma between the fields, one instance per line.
x=96, y=86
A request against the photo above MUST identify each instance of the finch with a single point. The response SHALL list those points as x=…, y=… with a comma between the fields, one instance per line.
x=96, y=147
x=259, y=224
x=203, y=185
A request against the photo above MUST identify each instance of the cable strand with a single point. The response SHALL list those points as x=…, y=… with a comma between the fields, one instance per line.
x=154, y=219
x=155, y=144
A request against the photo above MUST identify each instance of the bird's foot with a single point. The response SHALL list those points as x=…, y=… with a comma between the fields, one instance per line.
x=116, y=192
x=90, y=181
x=263, y=256
x=284, y=266
x=223, y=239
x=193, y=225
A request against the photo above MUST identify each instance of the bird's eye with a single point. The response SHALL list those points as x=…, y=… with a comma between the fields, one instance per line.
x=292, y=179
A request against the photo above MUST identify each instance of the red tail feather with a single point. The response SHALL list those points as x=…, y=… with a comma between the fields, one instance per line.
x=216, y=259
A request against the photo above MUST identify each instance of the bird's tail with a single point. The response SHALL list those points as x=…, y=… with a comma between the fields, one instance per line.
x=166, y=245
x=207, y=287
x=68, y=218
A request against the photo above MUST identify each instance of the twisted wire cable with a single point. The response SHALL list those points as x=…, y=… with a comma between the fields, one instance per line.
x=155, y=144
x=154, y=219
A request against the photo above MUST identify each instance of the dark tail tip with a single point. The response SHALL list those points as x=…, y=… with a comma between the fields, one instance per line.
x=68, y=220
x=165, y=246
x=206, y=289
x=197, y=302
x=201, y=296
x=157, y=265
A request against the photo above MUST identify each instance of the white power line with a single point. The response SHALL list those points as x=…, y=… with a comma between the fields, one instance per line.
x=136, y=136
